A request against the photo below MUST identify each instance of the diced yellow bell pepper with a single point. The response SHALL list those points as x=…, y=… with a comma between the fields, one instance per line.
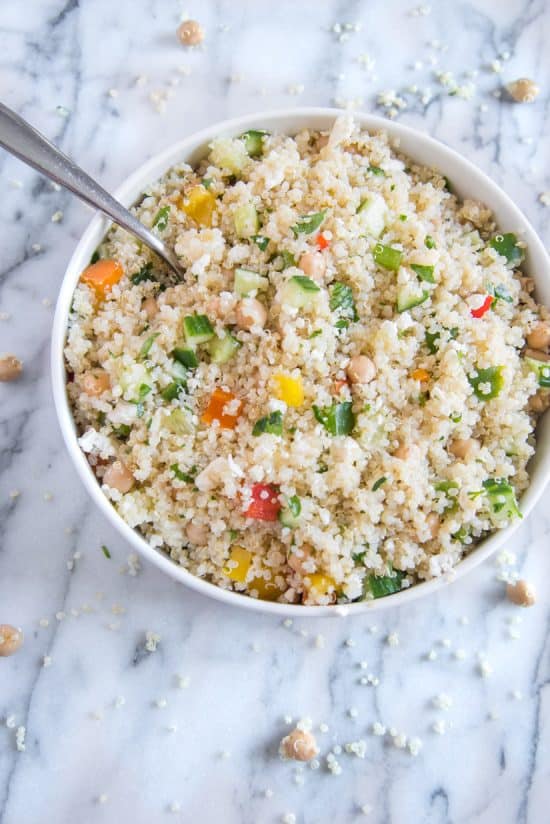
x=199, y=205
x=242, y=558
x=320, y=585
x=267, y=590
x=290, y=390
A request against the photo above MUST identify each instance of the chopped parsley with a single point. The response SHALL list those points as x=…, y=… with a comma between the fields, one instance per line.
x=271, y=425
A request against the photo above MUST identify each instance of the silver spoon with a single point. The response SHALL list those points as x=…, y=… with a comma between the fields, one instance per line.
x=22, y=140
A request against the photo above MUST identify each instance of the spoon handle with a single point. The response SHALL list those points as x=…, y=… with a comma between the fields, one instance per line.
x=20, y=139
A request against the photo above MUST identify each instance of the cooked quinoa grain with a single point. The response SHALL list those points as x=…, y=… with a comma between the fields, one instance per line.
x=337, y=403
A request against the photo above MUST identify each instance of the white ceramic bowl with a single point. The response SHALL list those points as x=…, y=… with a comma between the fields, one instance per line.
x=468, y=181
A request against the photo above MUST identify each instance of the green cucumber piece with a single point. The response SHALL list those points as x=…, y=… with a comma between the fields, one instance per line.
x=387, y=257
x=245, y=218
x=408, y=297
x=222, y=349
x=247, y=281
x=374, y=212
x=289, y=515
x=185, y=357
x=300, y=291
x=253, y=142
x=541, y=370
x=197, y=329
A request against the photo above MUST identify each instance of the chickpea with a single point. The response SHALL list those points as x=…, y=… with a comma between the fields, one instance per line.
x=250, y=312
x=96, y=383
x=10, y=368
x=150, y=307
x=314, y=265
x=299, y=745
x=527, y=284
x=523, y=90
x=361, y=369
x=539, y=402
x=190, y=33
x=118, y=476
x=464, y=448
x=432, y=522
x=521, y=593
x=297, y=558
x=539, y=336
x=196, y=534
x=11, y=639
x=536, y=354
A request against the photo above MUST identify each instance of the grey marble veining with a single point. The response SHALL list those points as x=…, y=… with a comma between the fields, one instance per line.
x=93, y=726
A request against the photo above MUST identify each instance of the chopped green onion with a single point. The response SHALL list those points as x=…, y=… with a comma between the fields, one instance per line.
x=376, y=170
x=143, y=390
x=507, y=246
x=541, y=370
x=145, y=273
x=377, y=484
x=448, y=185
x=161, y=218
x=207, y=182
x=172, y=391
x=461, y=534
x=382, y=585
x=502, y=498
x=492, y=376
x=95, y=257
x=186, y=477
x=288, y=259
x=429, y=242
x=387, y=257
x=106, y=552
x=261, y=241
x=446, y=487
x=456, y=417
x=101, y=418
x=121, y=432
x=316, y=333
x=341, y=324
x=290, y=514
x=305, y=283
x=307, y=224
x=338, y=419
x=358, y=557
x=500, y=292
x=146, y=348
x=433, y=337
x=425, y=273
x=341, y=297
x=271, y=425
x=402, y=218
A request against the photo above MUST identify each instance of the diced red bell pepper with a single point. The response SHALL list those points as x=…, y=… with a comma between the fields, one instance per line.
x=322, y=242
x=481, y=310
x=265, y=504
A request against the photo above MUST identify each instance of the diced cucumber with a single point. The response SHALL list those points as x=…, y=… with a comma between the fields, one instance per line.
x=541, y=370
x=253, y=141
x=502, y=500
x=197, y=329
x=289, y=515
x=178, y=371
x=410, y=296
x=229, y=154
x=222, y=349
x=185, y=357
x=132, y=378
x=374, y=212
x=179, y=422
x=247, y=281
x=300, y=291
x=245, y=218
x=387, y=257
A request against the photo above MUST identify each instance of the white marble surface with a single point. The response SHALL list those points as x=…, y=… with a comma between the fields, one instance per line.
x=245, y=672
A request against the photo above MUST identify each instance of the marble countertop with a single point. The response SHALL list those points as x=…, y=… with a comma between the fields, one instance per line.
x=189, y=732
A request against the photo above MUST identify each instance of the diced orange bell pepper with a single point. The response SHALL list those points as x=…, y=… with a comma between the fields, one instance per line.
x=215, y=409
x=199, y=205
x=322, y=242
x=240, y=560
x=420, y=375
x=267, y=590
x=290, y=390
x=102, y=276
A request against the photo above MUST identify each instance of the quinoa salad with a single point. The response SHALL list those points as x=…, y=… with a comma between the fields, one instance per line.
x=340, y=400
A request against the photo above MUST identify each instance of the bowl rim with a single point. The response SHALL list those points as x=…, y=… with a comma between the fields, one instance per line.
x=181, y=151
